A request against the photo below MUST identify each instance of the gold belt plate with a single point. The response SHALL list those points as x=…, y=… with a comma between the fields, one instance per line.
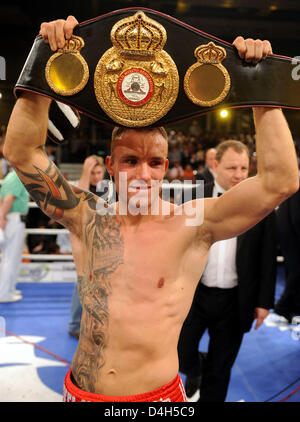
x=136, y=82
x=66, y=71
x=207, y=82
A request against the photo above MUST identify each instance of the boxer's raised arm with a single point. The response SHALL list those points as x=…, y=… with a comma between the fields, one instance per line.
x=25, y=141
x=24, y=149
x=242, y=206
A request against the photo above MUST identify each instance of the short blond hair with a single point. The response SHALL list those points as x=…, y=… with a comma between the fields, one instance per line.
x=100, y=160
x=118, y=130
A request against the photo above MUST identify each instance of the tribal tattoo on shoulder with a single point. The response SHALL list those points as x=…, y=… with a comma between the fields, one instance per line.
x=49, y=189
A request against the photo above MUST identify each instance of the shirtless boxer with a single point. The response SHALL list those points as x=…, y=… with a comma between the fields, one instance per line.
x=138, y=273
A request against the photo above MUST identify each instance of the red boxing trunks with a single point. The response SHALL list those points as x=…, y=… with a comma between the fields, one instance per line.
x=171, y=392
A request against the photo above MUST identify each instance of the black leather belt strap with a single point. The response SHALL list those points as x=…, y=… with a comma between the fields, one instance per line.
x=268, y=83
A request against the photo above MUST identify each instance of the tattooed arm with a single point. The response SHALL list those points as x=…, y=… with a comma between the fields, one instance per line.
x=25, y=149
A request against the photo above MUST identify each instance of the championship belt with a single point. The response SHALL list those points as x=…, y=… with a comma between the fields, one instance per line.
x=138, y=67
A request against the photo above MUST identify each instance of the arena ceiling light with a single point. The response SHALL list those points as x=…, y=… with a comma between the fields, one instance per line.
x=224, y=113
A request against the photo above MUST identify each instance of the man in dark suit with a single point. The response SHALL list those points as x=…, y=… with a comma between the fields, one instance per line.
x=208, y=173
x=237, y=286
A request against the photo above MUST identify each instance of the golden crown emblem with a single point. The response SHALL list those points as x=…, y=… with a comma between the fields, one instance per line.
x=138, y=35
x=210, y=53
x=74, y=45
x=136, y=82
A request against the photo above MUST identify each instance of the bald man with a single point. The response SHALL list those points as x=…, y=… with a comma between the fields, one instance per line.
x=208, y=174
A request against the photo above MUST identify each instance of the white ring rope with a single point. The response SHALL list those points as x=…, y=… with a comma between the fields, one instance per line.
x=65, y=257
x=46, y=231
x=48, y=257
x=69, y=257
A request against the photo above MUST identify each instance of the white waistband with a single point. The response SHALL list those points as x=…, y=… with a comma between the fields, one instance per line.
x=14, y=216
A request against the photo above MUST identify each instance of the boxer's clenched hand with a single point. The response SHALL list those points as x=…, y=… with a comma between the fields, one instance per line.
x=57, y=32
x=252, y=50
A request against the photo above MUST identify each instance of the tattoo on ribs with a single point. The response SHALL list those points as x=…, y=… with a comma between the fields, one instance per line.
x=104, y=239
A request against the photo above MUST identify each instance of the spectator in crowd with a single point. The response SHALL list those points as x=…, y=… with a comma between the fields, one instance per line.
x=208, y=174
x=42, y=243
x=200, y=160
x=13, y=210
x=188, y=173
x=175, y=155
x=93, y=173
x=194, y=160
x=237, y=286
x=180, y=137
x=195, y=128
x=172, y=138
x=176, y=172
x=185, y=156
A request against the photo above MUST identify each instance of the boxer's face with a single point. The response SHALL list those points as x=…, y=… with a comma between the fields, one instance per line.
x=232, y=168
x=140, y=157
